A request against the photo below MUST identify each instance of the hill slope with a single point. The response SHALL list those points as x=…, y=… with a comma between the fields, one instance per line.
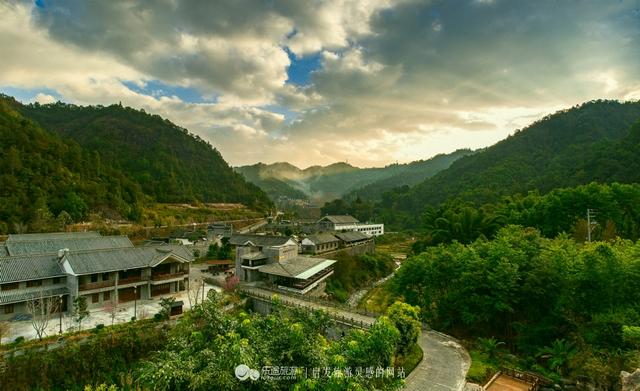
x=336, y=180
x=42, y=175
x=169, y=163
x=586, y=143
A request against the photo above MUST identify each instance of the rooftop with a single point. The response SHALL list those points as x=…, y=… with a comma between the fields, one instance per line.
x=299, y=267
x=352, y=236
x=341, y=219
x=322, y=238
x=259, y=240
x=50, y=243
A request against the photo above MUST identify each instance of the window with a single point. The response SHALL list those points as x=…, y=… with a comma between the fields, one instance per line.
x=34, y=283
x=94, y=278
x=95, y=298
x=8, y=309
x=106, y=296
x=8, y=287
x=105, y=276
x=56, y=280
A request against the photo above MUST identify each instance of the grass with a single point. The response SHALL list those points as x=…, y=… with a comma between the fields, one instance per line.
x=378, y=299
x=482, y=367
x=410, y=360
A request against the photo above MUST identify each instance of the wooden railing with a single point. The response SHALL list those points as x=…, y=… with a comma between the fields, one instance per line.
x=168, y=276
x=129, y=280
x=96, y=285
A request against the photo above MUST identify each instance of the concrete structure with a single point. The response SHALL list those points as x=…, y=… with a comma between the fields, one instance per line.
x=320, y=243
x=275, y=260
x=100, y=268
x=349, y=223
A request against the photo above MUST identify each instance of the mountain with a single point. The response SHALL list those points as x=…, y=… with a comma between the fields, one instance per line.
x=321, y=184
x=408, y=175
x=169, y=163
x=43, y=174
x=589, y=142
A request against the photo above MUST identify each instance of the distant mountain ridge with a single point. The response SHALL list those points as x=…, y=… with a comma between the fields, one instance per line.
x=324, y=183
x=595, y=141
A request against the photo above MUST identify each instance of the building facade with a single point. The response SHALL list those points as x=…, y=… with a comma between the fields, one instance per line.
x=103, y=269
x=275, y=260
x=349, y=223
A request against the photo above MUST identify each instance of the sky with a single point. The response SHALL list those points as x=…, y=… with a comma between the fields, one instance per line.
x=370, y=82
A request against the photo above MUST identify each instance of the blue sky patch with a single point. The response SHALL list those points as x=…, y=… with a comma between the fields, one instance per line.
x=27, y=95
x=299, y=72
x=157, y=89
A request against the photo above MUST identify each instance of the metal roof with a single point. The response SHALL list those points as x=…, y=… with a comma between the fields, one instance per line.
x=51, y=243
x=341, y=219
x=259, y=240
x=299, y=267
x=351, y=236
x=29, y=267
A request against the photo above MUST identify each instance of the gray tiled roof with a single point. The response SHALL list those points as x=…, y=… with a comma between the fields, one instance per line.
x=99, y=261
x=294, y=267
x=29, y=267
x=254, y=256
x=352, y=236
x=52, y=235
x=24, y=295
x=341, y=219
x=258, y=240
x=322, y=238
x=54, y=242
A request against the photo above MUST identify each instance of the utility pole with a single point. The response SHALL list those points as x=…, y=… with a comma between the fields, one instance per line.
x=591, y=223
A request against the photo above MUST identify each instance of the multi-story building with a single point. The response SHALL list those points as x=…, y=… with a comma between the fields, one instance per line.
x=101, y=268
x=275, y=259
x=349, y=223
x=320, y=243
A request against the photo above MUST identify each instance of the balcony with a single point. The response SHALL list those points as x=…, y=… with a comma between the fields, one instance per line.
x=168, y=276
x=96, y=285
x=130, y=280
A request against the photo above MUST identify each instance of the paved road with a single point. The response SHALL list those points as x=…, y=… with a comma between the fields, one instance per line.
x=443, y=367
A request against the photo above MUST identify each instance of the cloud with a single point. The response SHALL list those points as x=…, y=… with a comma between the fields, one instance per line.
x=397, y=79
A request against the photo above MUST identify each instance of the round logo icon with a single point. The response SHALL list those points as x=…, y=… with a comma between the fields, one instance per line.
x=242, y=372
x=254, y=374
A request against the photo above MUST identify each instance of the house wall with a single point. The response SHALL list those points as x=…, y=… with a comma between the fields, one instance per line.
x=20, y=307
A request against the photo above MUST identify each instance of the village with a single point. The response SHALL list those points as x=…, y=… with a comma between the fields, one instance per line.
x=50, y=280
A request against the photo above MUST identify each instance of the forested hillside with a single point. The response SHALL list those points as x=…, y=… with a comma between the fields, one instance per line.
x=591, y=142
x=47, y=180
x=169, y=163
x=61, y=162
x=342, y=179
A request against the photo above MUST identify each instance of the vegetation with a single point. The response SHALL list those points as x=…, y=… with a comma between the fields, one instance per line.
x=119, y=161
x=563, y=306
x=352, y=272
x=596, y=141
x=341, y=179
x=202, y=351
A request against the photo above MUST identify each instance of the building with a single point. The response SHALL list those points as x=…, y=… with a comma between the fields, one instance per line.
x=320, y=243
x=275, y=260
x=349, y=223
x=353, y=238
x=102, y=269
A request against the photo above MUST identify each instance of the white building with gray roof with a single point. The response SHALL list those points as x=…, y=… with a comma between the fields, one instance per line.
x=103, y=269
x=343, y=223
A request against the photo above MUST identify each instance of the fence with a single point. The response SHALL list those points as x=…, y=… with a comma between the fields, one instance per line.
x=347, y=320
